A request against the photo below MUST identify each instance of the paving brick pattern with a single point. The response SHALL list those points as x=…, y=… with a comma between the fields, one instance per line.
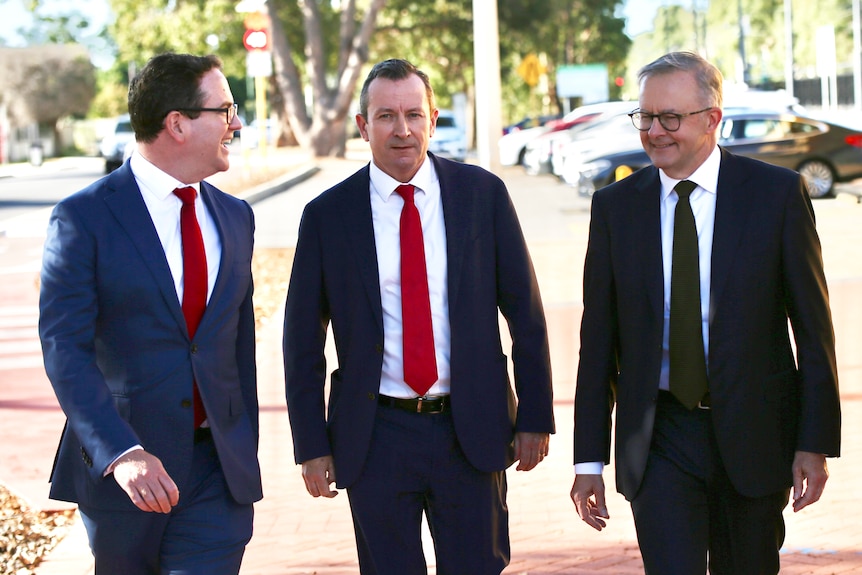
x=298, y=535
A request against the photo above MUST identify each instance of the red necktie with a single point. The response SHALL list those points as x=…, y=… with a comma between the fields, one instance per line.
x=420, y=363
x=194, y=278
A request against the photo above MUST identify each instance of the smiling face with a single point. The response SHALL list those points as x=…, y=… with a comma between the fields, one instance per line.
x=210, y=132
x=398, y=125
x=681, y=152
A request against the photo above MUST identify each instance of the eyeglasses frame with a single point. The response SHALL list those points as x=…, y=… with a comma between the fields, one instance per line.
x=226, y=111
x=653, y=117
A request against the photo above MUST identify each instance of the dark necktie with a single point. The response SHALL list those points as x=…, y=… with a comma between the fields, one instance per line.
x=688, y=379
x=420, y=363
x=194, y=279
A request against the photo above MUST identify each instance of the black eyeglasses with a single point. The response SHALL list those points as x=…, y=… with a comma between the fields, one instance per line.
x=670, y=122
x=228, y=111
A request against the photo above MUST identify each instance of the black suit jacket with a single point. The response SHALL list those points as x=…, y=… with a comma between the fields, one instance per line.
x=766, y=269
x=335, y=280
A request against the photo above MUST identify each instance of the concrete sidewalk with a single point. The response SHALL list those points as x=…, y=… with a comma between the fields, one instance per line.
x=298, y=535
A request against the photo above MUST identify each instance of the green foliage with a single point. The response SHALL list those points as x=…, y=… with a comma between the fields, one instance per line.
x=144, y=28
x=437, y=35
x=717, y=37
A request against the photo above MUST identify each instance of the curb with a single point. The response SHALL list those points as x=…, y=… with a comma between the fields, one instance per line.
x=278, y=185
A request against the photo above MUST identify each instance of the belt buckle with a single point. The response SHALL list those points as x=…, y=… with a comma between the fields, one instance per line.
x=700, y=404
x=419, y=401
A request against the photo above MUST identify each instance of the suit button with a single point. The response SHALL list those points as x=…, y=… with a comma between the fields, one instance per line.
x=378, y=348
x=371, y=396
x=186, y=403
x=194, y=348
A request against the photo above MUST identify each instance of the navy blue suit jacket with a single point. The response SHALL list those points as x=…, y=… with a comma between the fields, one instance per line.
x=117, y=351
x=335, y=280
x=766, y=269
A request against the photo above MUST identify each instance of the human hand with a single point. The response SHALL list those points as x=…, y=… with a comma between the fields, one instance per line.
x=810, y=472
x=318, y=474
x=144, y=479
x=530, y=449
x=588, y=495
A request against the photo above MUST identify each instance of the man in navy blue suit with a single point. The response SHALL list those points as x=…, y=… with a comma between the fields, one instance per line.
x=714, y=427
x=399, y=451
x=153, y=361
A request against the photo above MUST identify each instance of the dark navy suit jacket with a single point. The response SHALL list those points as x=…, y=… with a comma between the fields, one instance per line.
x=117, y=351
x=335, y=280
x=766, y=269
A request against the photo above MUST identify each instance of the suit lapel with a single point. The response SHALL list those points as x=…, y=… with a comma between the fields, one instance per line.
x=731, y=216
x=228, y=246
x=355, y=205
x=645, y=218
x=125, y=202
x=457, y=213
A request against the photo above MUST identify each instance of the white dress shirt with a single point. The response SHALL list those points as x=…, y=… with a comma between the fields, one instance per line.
x=386, y=208
x=702, y=202
x=157, y=189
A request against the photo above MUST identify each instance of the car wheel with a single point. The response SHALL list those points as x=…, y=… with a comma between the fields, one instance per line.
x=819, y=177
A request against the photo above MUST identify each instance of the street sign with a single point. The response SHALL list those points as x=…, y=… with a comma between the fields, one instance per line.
x=259, y=64
x=255, y=40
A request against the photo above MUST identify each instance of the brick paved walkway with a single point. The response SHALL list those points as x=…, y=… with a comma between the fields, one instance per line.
x=298, y=535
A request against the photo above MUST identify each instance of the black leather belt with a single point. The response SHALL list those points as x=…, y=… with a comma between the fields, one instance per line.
x=705, y=403
x=437, y=404
x=203, y=434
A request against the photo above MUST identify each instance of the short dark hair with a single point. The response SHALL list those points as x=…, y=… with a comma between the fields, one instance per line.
x=706, y=75
x=393, y=69
x=168, y=82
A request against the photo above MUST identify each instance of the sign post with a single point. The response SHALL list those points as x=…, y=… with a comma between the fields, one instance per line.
x=258, y=62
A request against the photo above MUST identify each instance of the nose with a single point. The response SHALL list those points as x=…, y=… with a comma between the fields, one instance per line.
x=655, y=128
x=402, y=128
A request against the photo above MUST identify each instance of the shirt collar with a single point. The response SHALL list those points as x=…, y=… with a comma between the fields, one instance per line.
x=154, y=180
x=705, y=176
x=384, y=185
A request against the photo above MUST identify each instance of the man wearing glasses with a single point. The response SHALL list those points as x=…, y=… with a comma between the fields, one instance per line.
x=147, y=331
x=694, y=267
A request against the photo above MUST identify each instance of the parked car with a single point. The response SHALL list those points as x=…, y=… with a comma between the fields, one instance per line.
x=513, y=146
x=450, y=138
x=539, y=152
x=822, y=152
x=529, y=122
x=113, y=146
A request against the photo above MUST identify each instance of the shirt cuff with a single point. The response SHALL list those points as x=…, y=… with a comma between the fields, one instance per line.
x=113, y=464
x=589, y=468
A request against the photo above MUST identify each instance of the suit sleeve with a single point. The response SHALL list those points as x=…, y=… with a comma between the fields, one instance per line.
x=246, y=345
x=519, y=301
x=807, y=303
x=305, y=325
x=69, y=311
x=597, y=366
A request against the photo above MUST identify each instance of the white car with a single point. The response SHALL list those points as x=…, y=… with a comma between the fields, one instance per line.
x=113, y=146
x=514, y=145
x=450, y=138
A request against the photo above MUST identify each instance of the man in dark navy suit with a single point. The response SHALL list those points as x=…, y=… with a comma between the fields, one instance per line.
x=441, y=446
x=147, y=329
x=714, y=426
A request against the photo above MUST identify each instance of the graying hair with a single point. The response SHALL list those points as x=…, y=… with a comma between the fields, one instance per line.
x=706, y=75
